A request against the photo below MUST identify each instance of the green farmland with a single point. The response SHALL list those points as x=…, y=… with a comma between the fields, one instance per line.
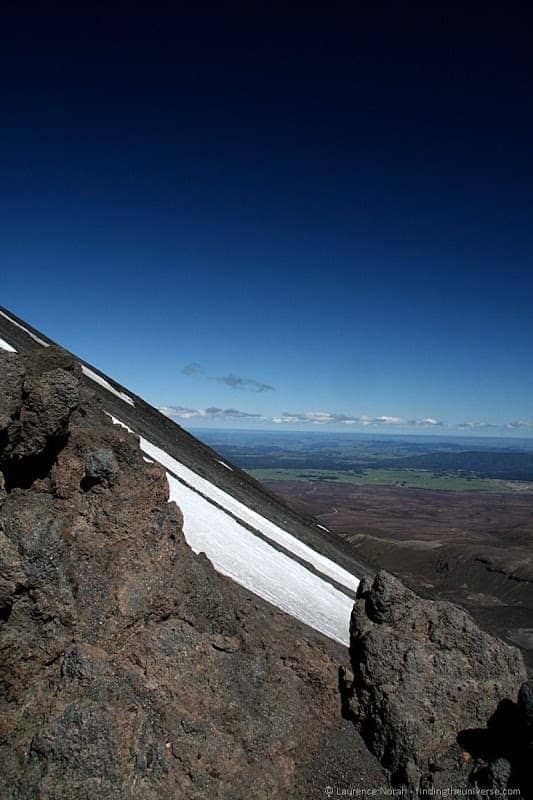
x=407, y=478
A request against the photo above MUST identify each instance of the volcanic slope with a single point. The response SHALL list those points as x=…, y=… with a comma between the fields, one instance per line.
x=129, y=668
x=247, y=533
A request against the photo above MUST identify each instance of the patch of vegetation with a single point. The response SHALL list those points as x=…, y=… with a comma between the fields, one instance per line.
x=408, y=478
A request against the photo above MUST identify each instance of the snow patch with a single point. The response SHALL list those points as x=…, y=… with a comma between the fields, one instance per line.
x=253, y=563
x=225, y=465
x=264, y=526
x=6, y=346
x=22, y=328
x=118, y=422
x=215, y=523
x=323, y=528
x=102, y=382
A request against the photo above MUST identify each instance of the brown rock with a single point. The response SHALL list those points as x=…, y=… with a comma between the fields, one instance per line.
x=130, y=669
x=424, y=672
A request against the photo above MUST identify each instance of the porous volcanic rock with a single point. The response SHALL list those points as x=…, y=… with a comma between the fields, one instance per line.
x=504, y=749
x=424, y=673
x=130, y=669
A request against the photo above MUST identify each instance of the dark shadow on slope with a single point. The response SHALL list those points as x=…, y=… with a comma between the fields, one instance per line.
x=346, y=693
x=504, y=749
x=21, y=473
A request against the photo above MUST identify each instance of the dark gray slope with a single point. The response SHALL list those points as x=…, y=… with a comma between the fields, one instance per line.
x=166, y=434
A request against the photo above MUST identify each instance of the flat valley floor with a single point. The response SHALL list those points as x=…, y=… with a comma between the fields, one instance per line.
x=413, y=507
x=469, y=547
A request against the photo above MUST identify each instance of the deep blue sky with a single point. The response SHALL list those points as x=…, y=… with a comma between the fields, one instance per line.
x=332, y=201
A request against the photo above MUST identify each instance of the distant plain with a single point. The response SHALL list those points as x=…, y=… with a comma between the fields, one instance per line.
x=452, y=517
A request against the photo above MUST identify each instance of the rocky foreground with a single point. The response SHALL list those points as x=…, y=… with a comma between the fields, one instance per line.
x=130, y=669
x=434, y=695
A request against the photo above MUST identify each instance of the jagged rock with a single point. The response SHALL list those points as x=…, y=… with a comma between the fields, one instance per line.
x=12, y=372
x=101, y=466
x=525, y=703
x=499, y=773
x=48, y=402
x=504, y=749
x=130, y=669
x=423, y=673
x=35, y=407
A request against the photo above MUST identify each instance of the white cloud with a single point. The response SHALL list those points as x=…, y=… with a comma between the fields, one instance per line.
x=179, y=412
x=475, y=425
x=319, y=418
x=329, y=418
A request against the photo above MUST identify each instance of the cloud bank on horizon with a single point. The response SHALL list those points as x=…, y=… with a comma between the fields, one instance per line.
x=211, y=413
x=321, y=418
x=318, y=418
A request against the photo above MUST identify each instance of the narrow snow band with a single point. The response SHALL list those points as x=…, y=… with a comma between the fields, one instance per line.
x=106, y=385
x=22, y=328
x=6, y=346
x=262, y=569
x=122, y=425
x=223, y=463
x=86, y=370
x=269, y=529
x=249, y=560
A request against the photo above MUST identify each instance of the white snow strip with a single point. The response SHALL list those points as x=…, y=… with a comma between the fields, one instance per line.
x=225, y=465
x=253, y=563
x=118, y=422
x=321, y=526
x=102, y=381
x=6, y=346
x=22, y=328
x=269, y=529
x=86, y=370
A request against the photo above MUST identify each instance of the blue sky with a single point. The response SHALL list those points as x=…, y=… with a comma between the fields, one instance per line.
x=336, y=204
